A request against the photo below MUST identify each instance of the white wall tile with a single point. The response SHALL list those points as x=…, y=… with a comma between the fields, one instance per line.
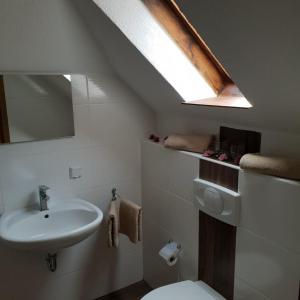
x=82, y=125
x=243, y=291
x=156, y=163
x=21, y=176
x=79, y=89
x=177, y=217
x=121, y=123
x=102, y=195
x=168, y=212
x=273, y=271
x=270, y=208
x=115, y=164
x=170, y=170
x=156, y=271
x=83, y=158
x=183, y=169
x=107, y=89
x=107, y=148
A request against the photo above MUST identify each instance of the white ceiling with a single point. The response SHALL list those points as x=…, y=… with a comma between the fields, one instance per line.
x=258, y=42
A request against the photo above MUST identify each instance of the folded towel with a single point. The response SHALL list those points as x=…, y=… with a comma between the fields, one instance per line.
x=131, y=220
x=193, y=143
x=113, y=224
x=274, y=166
x=124, y=217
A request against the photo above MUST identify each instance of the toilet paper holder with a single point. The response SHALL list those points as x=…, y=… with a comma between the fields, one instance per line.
x=170, y=252
x=178, y=245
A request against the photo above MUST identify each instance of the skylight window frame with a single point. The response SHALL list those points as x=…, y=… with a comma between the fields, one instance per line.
x=169, y=15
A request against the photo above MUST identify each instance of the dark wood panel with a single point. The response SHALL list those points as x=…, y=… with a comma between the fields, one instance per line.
x=4, y=129
x=219, y=174
x=133, y=292
x=244, y=141
x=217, y=254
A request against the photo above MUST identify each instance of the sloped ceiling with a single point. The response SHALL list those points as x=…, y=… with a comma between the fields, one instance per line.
x=258, y=42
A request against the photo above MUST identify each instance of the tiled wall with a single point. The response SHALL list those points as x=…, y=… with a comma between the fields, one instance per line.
x=267, y=252
x=268, y=240
x=110, y=122
x=167, y=185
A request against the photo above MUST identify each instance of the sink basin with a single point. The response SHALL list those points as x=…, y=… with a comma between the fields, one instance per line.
x=63, y=225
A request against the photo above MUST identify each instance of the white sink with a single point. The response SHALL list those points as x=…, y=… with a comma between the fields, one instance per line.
x=63, y=225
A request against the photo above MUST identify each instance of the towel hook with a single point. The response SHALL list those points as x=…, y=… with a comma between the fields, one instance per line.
x=114, y=194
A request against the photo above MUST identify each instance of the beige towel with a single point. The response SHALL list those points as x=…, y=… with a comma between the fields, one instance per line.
x=193, y=143
x=113, y=224
x=124, y=217
x=274, y=166
x=131, y=221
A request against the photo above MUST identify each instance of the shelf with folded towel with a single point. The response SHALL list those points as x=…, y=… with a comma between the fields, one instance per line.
x=225, y=148
x=283, y=168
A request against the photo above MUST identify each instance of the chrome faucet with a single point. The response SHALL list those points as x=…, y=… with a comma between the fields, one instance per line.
x=43, y=197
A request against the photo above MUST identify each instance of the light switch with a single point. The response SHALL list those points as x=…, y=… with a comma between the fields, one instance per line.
x=75, y=172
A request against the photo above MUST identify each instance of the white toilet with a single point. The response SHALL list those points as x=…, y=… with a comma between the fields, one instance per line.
x=184, y=290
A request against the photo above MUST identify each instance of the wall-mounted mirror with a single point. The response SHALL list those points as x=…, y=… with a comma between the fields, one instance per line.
x=35, y=107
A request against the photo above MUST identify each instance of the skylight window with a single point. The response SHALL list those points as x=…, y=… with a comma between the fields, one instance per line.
x=158, y=29
x=163, y=53
x=148, y=36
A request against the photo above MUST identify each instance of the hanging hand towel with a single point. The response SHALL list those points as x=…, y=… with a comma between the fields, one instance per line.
x=131, y=220
x=124, y=217
x=113, y=224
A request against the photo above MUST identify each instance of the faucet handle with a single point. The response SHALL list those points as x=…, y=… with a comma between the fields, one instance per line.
x=43, y=190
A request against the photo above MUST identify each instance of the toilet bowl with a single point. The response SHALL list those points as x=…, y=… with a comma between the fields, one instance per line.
x=184, y=290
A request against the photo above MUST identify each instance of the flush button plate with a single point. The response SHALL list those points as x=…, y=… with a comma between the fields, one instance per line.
x=213, y=200
x=217, y=201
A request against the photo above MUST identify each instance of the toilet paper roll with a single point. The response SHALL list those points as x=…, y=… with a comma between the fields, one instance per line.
x=170, y=253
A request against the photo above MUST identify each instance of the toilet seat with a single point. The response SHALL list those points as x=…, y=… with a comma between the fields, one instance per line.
x=184, y=290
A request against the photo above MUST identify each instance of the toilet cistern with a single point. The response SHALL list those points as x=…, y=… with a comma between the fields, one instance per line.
x=43, y=197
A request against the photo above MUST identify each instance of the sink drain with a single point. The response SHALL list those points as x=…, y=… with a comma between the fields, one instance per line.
x=51, y=262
